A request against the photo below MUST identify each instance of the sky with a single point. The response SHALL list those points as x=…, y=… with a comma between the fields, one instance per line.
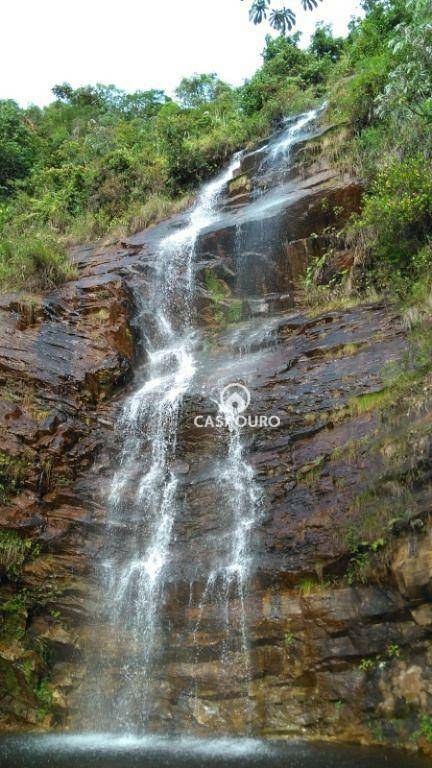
x=136, y=44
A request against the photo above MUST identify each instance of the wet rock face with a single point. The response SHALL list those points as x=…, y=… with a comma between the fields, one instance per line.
x=338, y=611
x=276, y=217
x=63, y=357
x=412, y=568
x=338, y=607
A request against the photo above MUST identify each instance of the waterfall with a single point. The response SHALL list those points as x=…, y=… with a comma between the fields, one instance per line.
x=143, y=495
x=290, y=136
x=147, y=499
x=227, y=581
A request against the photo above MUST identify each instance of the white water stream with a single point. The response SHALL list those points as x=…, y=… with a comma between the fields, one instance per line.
x=144, y=488
x=144, y=491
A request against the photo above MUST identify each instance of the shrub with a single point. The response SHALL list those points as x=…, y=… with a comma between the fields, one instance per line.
x=34, y=260
x=17, y=145
x=397, y=217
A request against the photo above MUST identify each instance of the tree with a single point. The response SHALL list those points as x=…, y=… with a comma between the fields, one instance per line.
x=282, y=19
x=145, y=104
x=87, y=96
x=287, y=68
x=107, y=98
x=17, y=145
x=200, y=89
x=323, y=44
x=409, y=86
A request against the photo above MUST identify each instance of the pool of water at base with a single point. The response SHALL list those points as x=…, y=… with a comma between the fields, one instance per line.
x=112, y=751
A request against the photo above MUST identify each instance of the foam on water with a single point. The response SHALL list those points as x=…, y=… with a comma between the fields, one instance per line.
x=113, y=751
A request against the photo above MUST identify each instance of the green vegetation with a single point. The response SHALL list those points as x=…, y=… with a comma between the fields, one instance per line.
x=13, y=616
x=283, y=19
x=376, y=729
x=13, y=552
x=425, y=728
x=361, y=550
x=44, y=696
x=99, y=162
x=289, y=639
x=307, y=586
x=381, y=92
x=226, y=308
x=24, y=676
x=393, y=651
x=406, y=379
x=12, y=473
x=367, y=664
x=371, y=401
x=383, y=88
x=311, y=472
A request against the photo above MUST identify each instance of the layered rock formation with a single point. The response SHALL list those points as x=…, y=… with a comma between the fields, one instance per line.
x=62, y=359
x=338, y=611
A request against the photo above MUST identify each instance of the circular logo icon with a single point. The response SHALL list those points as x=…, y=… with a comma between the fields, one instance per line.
x=235, y=398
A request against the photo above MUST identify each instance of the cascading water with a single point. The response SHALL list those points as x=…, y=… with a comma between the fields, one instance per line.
x=147, y=500
x=273, y=164
x=291, y=135
x=143, y=493
x=227, y=581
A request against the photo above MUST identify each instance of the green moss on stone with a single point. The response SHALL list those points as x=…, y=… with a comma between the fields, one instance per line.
x=14, y=550
x=13, y=470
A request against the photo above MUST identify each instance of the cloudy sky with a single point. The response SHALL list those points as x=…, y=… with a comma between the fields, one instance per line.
x=135, y=44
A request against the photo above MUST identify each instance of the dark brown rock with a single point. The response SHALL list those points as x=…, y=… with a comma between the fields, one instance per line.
x=338, y=606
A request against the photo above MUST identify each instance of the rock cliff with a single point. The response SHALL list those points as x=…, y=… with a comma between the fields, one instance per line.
x=339, y=613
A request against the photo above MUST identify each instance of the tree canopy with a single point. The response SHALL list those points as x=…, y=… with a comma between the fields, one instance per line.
x=281, y=19
x=200, y=89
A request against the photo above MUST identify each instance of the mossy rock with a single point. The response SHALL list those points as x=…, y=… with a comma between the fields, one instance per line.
x=240, y=185
x=13, y=472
